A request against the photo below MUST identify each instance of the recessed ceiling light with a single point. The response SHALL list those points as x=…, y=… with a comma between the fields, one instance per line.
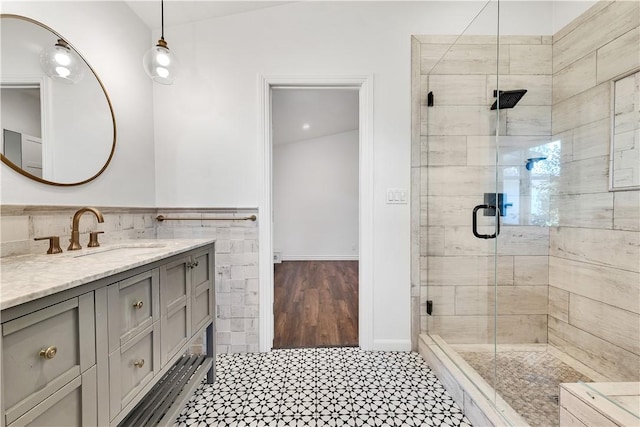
x=306, y=126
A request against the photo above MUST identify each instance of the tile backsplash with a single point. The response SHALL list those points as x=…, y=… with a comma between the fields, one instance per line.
x=236, y=266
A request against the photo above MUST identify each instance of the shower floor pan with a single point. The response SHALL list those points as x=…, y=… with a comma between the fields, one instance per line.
x=527, y=389
x=528, y=379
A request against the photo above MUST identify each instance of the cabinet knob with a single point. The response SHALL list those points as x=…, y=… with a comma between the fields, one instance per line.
x=139, y=363
x=138, y=305
x=49, y=353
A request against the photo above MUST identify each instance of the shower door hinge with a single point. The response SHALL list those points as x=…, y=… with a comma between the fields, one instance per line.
x=430, y=99
x=429, y=307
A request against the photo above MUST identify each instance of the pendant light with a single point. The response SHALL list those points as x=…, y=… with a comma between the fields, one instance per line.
x=159, y=63
x=61, y=63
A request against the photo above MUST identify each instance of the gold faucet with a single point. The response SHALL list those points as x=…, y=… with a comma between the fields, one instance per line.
x=75, y=232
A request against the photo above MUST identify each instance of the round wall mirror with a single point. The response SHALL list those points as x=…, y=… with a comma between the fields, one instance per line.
x=58, y=131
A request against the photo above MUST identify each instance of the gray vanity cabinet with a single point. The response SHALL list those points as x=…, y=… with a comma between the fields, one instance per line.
x=134, y=336
x=175, y=293
x=186, y=298
x=96, y=354
x=48, y=365
x=134, y=305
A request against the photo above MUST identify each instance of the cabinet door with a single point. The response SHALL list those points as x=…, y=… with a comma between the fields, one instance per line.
x=72, y=405
x=175, y=321
x=202, y=288
x=44, y=350
x=133, y=306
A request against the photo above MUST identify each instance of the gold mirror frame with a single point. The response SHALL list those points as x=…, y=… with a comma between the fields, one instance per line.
x=106, y=95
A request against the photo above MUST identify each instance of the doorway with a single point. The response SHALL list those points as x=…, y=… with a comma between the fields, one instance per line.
x=315, y=148
x=364, y=85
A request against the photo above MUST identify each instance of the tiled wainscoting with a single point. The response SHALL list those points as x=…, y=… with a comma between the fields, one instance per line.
x=236, y=251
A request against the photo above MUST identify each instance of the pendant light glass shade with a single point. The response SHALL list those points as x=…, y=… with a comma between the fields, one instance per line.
x=160, y=64
x=61, y=63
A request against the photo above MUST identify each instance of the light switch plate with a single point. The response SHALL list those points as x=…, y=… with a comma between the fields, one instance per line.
x=397, y=196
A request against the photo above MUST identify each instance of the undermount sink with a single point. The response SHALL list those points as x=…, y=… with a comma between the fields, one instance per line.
x=122, y=249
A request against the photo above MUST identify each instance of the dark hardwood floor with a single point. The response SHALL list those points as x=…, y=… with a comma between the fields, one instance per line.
x=315, y=304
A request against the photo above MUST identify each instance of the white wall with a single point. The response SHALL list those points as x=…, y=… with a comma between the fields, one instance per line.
x=207, y=150
x=315, y=198
x=113, y=40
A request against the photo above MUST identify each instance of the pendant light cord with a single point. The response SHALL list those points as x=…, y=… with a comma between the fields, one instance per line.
x=162, y=19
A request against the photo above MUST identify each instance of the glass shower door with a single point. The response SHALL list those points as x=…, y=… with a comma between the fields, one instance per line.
x=459, y=215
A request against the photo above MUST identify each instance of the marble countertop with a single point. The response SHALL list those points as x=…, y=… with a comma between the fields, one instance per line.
x=25, y=278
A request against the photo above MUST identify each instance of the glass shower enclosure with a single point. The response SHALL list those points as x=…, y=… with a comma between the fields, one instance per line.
x=529, y=263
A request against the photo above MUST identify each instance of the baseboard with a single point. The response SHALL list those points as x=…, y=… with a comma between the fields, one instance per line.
x=392, y=345
x=320, y=257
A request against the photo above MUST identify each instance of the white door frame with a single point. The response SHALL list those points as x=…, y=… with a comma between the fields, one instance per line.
x=364, y=84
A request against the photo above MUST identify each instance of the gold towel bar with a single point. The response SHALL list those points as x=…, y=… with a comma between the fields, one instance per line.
x=245, y=218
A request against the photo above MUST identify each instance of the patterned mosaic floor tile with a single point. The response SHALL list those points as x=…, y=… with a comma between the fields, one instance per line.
x=323, y=387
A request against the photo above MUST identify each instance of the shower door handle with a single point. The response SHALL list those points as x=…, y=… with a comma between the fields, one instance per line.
x=475, y=222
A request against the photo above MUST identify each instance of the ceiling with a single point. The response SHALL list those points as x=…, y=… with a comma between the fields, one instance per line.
x=326, y=111
x=178, y=12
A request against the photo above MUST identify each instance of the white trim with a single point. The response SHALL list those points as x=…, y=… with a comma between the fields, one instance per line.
x=364, y=83
x=392, y=345
x=320, y=257
x=46, y=135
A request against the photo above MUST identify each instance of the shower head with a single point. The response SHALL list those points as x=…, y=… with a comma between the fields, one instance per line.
x=508, y=98
x=532, y=161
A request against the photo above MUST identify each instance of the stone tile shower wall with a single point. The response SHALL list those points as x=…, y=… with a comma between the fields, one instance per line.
x=236, y=252
x=594, y=263
x=453, y=159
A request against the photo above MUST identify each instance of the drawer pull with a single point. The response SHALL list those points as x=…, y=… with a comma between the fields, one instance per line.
x=139, y=363
x=49, y=353
x=138, y=305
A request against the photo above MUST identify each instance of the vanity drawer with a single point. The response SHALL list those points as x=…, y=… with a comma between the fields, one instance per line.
x=132, y=367
x=202, y=292
x=73, y=405
x=135, y=303
x=44, y=350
